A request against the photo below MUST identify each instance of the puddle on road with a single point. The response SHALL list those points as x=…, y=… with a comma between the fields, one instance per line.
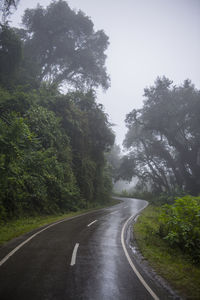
x=134, y=249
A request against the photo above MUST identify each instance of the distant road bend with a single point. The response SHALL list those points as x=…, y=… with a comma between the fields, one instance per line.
x=85, y=257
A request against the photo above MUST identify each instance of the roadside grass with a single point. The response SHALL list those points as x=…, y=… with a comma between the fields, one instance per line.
x=170, y=263
x=16, y=227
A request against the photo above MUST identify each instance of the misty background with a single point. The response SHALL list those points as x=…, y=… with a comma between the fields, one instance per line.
x=58, y=153
x=147, y=39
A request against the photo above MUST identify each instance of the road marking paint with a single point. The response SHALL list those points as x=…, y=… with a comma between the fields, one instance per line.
x=73, y=260
x=25, y=242
x=38, y=232
x=91, y=223
x=155, y=297
x=125, y=206
x=114, y=212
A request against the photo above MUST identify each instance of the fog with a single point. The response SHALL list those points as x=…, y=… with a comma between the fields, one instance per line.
x=58, y=156
x=147, y=39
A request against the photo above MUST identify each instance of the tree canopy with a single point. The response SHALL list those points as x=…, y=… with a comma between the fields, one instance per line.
x=62, y=47
x=10, y=54
x=6, y=7
x=163, y=138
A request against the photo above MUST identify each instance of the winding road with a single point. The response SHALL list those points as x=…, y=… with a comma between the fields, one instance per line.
x=85, y=257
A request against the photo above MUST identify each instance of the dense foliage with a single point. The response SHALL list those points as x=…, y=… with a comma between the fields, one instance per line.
x=51, y=157
x=10, y=55
x=114, y=160
x=52, y=144
x=163, y=139
x=62, y=47
x=180, y=225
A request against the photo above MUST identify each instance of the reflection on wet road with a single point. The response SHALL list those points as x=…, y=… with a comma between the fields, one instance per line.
x=81, y=258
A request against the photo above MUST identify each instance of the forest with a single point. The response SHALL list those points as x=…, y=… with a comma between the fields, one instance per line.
x=55, y=139
x=53, y=133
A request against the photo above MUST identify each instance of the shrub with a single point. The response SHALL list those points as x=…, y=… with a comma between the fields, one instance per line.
x=180, y=225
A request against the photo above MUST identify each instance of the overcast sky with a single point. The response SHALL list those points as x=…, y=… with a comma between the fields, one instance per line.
x=148, y=38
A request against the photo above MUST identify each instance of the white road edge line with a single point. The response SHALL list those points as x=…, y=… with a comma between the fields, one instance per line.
x=34, y=235
x=155, y=297
x=91, y=223
x=136, y=218
x=73, y=260
x=25, y=242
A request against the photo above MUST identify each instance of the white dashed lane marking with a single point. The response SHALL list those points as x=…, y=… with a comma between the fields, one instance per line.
x=91, y=223
x=74, y=254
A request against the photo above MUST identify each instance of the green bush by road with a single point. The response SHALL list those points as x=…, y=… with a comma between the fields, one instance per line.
x=173, y=264
x=180, y=225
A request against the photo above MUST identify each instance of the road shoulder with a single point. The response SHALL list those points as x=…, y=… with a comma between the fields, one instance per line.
x=154, y=280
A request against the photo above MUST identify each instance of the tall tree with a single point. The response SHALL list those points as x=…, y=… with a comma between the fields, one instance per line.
x=10, y=54
x=63, y=47
x=114, y=159
x=6, y=7
x=85, y=122
x=164, y=136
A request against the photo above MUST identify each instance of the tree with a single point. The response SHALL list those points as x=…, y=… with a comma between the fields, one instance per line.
x=91, y=136
x=62, y=47
x=10, y=54
x=114, y=160
x=6, y=6
x=164, y=135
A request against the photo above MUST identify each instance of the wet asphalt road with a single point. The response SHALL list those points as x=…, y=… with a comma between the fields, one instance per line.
x=42, y=268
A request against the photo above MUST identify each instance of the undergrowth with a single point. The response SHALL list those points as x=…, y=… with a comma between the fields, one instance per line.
x=169, y=262
x=16, y=227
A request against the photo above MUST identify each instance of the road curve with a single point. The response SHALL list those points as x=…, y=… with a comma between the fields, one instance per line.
x=81, y=258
